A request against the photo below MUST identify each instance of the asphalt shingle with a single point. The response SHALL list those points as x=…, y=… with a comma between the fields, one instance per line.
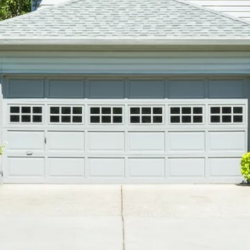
x=124, y=18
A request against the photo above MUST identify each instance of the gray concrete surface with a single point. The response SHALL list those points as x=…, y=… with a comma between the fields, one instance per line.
x=89, y=217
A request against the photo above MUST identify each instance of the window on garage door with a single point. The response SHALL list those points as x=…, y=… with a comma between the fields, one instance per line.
x=186, y=114
x=146, y=114
x=226, y=114
x=28, y=114
x=66, y=114
x=106, y=114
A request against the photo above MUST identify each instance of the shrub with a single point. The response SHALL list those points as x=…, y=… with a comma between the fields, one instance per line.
x=245, y=166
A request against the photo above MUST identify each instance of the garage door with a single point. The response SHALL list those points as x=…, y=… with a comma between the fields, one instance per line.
x=171, y=130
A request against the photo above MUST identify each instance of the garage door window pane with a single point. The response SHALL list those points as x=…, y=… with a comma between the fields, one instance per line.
x=14, y=118
x=226, y=110
x=134, y=110
x=37, y=118
x=226, y=114
x=26, y=110
x=157, y=110
x=95, y=119
x=185, y=115
x=54, y=119
x=226, y=118
x=77, y=119
x=215, y=110
x=117, y=119
x=14, y=109
x=94, y=110
x=106, y=110
x=106, y=115
x=186, y=119
x=25, y=118
x=26, y=114
x=175, y=110
x=146, y=119
x=117, y=111
x=238, y=110
x=175, y=119
x=54, y=110
x=37, y=110
x=146, y=115
x=77, y=110
x=197, y=110
x=186, y=110
x=197, y=119
x=146, y=110
x=238, y=118
x=215, y=119
x=157, y=119
x=66, y=110
x=135, y=119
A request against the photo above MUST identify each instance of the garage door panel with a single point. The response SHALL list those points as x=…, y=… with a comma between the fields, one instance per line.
x=187, y=167
x=106, y=141
x=59, y=88
x=227, y=141
x=151, y=89
x=66, y=167
x=146, y=141
x=26, y=167
x=66, y=141
x=182, y=88
x=221, y=167
x=226, y=88
x=26, y=88
x=146, y=167
x=106, y=167
x=181, y=142
x=26, y=140
x=104, y=89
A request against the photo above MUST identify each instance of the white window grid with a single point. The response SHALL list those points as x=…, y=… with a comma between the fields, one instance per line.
x=25, y=117
x=108, y=118
x=66, y=118
x=146, y=118
x=195, y=117
x=226, y=114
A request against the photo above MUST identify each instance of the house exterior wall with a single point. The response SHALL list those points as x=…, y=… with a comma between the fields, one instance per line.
x=188, y=65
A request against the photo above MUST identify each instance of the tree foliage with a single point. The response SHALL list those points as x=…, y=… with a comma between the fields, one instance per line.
x=12, y=8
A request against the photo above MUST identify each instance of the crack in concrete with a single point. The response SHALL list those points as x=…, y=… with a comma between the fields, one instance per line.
x=123, y=223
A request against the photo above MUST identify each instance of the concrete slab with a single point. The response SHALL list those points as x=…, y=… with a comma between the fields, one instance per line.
x=187, y=233
x=60, y=233
x=60, y=200
x=186, y=201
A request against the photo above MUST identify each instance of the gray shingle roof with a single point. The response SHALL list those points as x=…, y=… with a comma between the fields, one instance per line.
x=137, y=19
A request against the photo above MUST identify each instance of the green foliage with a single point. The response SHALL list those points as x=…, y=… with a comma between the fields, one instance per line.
x=245, y=166
x=12, y=8
x=1, y=150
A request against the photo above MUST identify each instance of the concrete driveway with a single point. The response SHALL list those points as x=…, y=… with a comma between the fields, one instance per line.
x=128, y=217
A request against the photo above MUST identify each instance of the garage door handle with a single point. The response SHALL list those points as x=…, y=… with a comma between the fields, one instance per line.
x=29, y=153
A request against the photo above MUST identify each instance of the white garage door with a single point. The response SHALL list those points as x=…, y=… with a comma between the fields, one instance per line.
x=57, y=133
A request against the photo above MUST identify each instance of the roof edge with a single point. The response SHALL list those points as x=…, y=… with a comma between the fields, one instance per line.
x=125, y=41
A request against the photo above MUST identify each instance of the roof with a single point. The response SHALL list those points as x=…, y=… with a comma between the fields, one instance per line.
x=123, y=22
